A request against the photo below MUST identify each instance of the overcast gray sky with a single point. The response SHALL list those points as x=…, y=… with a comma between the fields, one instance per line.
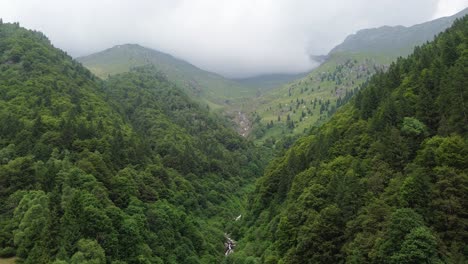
x=231, y=37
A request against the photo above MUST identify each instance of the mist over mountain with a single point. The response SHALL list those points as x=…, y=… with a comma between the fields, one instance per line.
x=236, y=39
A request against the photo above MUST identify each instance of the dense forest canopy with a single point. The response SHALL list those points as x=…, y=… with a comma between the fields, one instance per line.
x=128, y=170
x=384, y=181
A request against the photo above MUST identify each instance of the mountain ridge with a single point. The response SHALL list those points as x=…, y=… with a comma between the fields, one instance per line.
x=395, y=40
x=208, y=87
x=288, y=110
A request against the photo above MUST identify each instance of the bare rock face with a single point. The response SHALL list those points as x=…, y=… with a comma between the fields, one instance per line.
x=229, y=245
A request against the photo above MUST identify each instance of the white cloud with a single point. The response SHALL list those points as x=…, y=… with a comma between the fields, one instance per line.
x=449, y=7
x=234, y=38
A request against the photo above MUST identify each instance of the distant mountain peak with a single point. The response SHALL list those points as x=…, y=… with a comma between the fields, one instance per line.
x=128, y=45
x=395, y=40
x=207, y=86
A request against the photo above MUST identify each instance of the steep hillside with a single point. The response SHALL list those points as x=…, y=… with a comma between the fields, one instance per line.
x=128, y=170
x=206, y=86
x=384, y=181
x=293, y=109
x=397, y=40
x=283, y=114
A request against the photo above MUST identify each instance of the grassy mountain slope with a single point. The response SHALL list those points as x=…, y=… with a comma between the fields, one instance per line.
x=267, y=82
x=294, y=108
x=127, y=170
x=210, y=87
x=397, y=40
x=384, y=181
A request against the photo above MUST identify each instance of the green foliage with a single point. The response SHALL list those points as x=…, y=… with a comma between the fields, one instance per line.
x=401, y=223
x=413, y=127
x=419, y=246
x=89, y=252
x=31, y=215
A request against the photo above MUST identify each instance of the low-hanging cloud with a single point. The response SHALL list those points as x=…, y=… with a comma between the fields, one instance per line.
x=233, y=38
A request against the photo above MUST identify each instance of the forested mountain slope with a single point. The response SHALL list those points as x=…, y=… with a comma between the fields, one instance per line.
x=128, y=170
x=384, y=181
x=209, y=87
